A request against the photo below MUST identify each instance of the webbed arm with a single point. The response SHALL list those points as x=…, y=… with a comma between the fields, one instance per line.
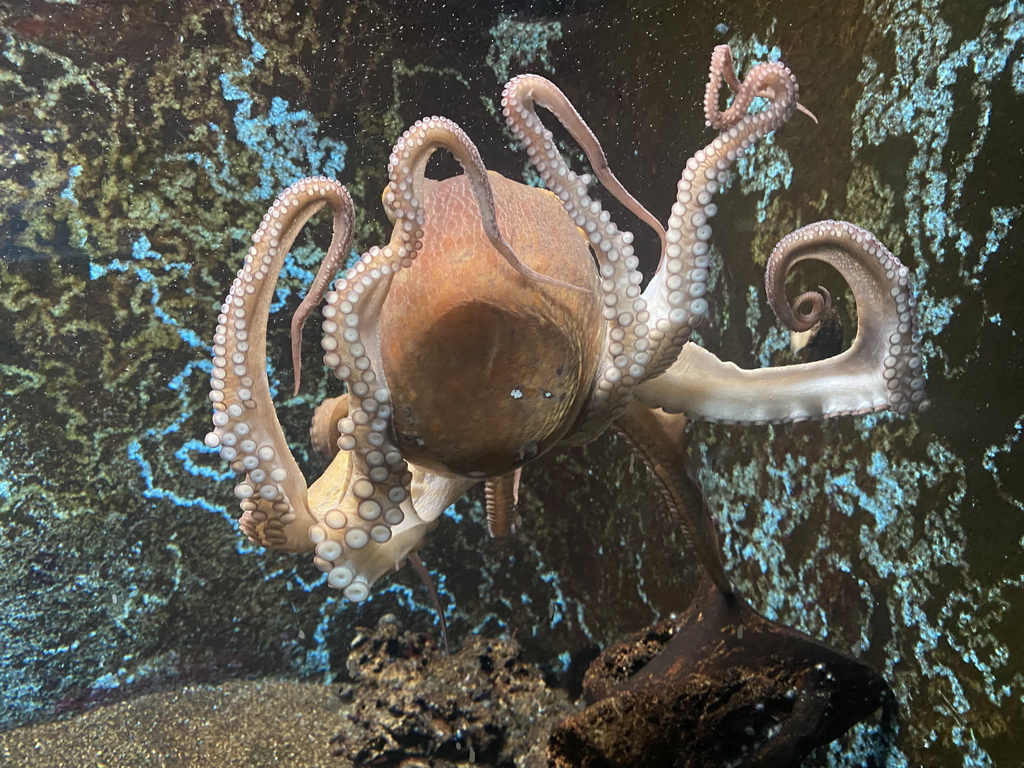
x=882, y=370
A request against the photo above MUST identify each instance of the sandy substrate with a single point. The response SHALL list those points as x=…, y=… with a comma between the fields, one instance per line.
x=250, y=723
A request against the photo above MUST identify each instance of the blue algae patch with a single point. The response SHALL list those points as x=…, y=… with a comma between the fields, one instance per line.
x=454, y=514
x=522, y=44
x=152, y=491
x=776, y=339
x=285, y=139
x=898, y=554
x=1017, y=73
x=144, y=261
x=753, y=313
x=317, y=661
x=184, y=455
x=1010, y=444
x=1002, y=221
x=556, y=606
x=933, y=315
x=750, y=50
x=142, y=252
x=918, y=102
x=765, y=168
x=68, y=193
x=764, y=172
x=641, y=590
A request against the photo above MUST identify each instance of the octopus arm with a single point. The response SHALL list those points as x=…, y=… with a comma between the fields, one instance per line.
x=429, y=496
x=625, y=312
x=660, y=439
x=354, y=569
x=520, y=95
x=334, y=516
x=272, y=494
x=675, y=294
x=882, y=370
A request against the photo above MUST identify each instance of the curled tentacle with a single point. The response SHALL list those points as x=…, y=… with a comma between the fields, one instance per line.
x=675, y=296
x=625, y=311
x=818, y=302
x=273, y=498
x=886, y=316
x=882, y=370
x=723, y=69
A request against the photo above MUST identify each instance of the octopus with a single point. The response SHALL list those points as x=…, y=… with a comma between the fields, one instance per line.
x=501, y=321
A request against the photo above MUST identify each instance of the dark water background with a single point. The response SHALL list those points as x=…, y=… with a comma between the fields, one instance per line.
x=140, y=145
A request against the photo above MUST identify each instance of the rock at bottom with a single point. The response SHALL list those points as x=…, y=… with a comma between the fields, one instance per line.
x=721, y=685
x=412, y=705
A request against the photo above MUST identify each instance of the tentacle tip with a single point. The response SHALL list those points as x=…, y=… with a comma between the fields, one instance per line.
x=297, y=365
x=826, y=301
x=806, y=111
x=818, y=304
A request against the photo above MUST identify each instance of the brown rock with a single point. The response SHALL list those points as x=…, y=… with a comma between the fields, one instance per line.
x=411, y=704
x=719, y=686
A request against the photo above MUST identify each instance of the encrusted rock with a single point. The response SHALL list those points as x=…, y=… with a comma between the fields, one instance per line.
x=720, y=686
x=413, y=705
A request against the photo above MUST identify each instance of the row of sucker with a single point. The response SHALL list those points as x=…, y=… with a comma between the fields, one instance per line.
x=380, y=477
x=626, y=353
x=886, y=307
x=272, y=493
x=501, y=495
x=676, y=292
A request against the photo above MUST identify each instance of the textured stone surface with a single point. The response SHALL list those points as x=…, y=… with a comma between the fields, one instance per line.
x=720, y=685
x=413, y=704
